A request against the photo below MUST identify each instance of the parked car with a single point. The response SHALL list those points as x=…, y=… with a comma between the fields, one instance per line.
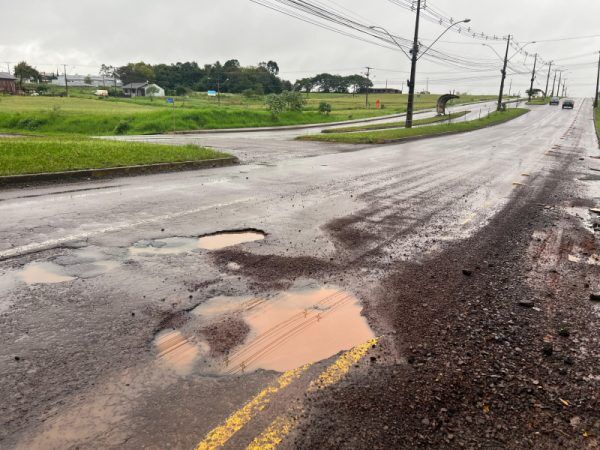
x=554, y=101
x=568, y=103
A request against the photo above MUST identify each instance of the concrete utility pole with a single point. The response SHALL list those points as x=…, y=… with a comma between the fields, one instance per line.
x=533, y=77
x=553, y=84
x=559, y=80
x=510, y=87
x=503, y=71
x=413, y=70
x=597, y=83
x=367, y=91
x=548, y=79
x=66, y=82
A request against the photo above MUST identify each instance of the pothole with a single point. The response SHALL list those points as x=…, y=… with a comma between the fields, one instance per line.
x=176, y=351
x=281, y=333
x=43, y=273
x=179, y=245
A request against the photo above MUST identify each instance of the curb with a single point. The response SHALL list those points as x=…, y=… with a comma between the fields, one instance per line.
x=314, y=125
x=112, y=172
x=414, y=138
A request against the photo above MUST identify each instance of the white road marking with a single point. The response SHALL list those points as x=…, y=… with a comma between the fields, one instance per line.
x=37, y=246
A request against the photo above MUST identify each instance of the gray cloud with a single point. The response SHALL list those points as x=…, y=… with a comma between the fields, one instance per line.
x=85, y=34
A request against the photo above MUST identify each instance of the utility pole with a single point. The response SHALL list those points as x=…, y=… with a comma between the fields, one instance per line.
x=553, y=84
x=499, y=107
x=597, y=83
x=367, y=90
x=413, y=70
x=548, y=79
x=532, y=77
x=510, y=87
x=559, y=79
x=66, y=82
x=219, y=90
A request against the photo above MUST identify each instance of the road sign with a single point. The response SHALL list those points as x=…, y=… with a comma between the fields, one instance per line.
x=212, y=93
x=170, y=100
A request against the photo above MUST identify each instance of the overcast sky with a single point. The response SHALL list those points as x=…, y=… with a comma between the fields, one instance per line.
x=84, y=34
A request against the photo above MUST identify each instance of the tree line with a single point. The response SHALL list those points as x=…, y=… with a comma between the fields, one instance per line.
x=229, y=77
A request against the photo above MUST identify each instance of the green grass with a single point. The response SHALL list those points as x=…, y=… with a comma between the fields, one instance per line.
x=597, y=116
x=539, y=101
x=384, y=126
x=398, y=134
x=85, y=115
x=35, y=155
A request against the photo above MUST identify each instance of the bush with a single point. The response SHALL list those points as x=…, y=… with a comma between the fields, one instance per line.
x=324, y=108
x=286, y=101
x=122, y=127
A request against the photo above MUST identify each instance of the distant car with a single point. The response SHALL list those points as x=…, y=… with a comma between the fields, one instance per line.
x=568, y=103
x=554, y=101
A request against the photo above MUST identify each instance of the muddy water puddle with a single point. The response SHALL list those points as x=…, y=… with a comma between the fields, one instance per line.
x=286, y=331
x=82, y=263
x=178, y=352
x=180, y=245
x=44, y=273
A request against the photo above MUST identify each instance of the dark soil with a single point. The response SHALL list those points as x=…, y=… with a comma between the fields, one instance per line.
x=225, y=335
x=499, y=340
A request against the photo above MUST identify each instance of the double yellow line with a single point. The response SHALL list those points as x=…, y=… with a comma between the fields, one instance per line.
x=274, y=434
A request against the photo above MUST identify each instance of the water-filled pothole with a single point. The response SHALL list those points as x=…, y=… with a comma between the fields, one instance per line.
x=179, y=245
x=177, y=351
x=292, y=329
x=43, y=273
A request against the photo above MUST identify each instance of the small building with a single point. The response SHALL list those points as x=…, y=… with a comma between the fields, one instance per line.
x=96, y=81
x=384, y=91
x=141, y=90
x=8, y=83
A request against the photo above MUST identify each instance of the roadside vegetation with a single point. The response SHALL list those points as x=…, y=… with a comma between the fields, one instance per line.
x=399, y=134
x=539, y=101
x=36, y=155
x=597, y=116
x=385, y=126
x=86, y=115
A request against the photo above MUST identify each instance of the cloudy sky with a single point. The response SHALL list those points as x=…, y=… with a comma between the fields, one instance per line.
x=84, y=34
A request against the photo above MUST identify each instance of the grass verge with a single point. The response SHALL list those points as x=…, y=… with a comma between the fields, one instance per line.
x=539, y=101
x=19, y=156
x=597, y=121
x=385, y=126
x=399, y=134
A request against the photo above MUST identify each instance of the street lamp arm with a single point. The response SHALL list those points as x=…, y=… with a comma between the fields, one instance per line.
x=391, y=37
x=440, y=36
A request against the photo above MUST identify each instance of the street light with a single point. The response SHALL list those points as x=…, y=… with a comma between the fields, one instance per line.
x=413, y=69
x=391, y=37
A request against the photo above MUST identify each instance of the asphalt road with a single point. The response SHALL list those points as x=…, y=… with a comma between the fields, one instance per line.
x=79, y=363
x=267, y=147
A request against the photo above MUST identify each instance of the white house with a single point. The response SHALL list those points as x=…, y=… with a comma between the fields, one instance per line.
x=141, y=90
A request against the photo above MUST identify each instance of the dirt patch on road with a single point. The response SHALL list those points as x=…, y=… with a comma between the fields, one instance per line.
x=224, y=335
x=502, y=351
x=272, y=271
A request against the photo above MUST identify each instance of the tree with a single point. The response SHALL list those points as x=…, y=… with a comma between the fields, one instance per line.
x=324, y=108
x=108, y=72
x=87, y=79
x=136, y=73
x=305, y=84
x=151, y=92
x=24, y=71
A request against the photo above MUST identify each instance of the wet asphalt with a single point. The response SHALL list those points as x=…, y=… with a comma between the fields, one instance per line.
x=78, y=363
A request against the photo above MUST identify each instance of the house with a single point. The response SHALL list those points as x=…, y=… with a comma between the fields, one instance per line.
x=8, y=83
x=141, y=90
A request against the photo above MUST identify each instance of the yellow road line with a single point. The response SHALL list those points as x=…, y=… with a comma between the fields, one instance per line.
x=220, y=435
x=276, y=432
x=273, y=434
x=341, y=366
